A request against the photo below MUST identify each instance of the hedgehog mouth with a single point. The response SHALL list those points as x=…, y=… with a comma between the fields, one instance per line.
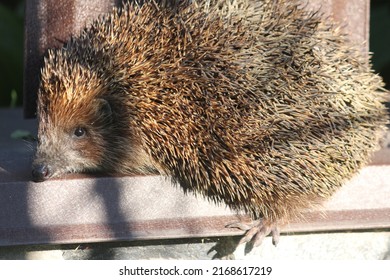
x=43, y=171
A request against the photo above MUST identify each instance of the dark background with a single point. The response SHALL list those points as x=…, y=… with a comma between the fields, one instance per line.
x=11, y=47
x=11, y=52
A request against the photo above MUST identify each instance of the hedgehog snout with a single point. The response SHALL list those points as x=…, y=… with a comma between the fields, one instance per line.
x=41, y=172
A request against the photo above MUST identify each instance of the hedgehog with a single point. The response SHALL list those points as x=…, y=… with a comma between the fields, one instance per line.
x=260, y=105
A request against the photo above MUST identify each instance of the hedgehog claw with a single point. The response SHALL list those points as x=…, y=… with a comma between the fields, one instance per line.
x=275, y=232
x=257, y=231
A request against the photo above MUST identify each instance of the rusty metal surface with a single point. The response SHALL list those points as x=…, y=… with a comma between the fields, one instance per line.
x=48, y=23
x=80, y=209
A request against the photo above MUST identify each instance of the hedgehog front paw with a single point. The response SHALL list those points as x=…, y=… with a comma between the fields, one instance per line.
x=256, y=231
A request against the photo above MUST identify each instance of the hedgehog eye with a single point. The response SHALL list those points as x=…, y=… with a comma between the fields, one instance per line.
x=79, y=132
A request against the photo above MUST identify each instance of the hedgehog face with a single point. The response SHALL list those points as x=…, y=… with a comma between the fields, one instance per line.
x=84, y=125
x=73, y=144
x=85, y=137
x=75, y=121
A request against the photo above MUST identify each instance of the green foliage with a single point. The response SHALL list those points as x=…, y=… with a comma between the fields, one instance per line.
x=11, y=56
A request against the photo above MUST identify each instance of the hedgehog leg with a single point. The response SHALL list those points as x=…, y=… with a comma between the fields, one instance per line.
x=257, y=231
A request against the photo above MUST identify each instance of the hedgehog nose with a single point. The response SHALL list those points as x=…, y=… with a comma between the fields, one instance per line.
x=40, y=172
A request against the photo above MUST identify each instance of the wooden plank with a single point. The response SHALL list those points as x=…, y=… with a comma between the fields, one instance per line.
x=92, y=209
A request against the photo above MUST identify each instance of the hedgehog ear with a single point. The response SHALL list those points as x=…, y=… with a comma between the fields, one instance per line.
x=105, y=108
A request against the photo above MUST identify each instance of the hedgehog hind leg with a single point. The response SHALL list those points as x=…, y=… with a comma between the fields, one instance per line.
x=256, y=231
